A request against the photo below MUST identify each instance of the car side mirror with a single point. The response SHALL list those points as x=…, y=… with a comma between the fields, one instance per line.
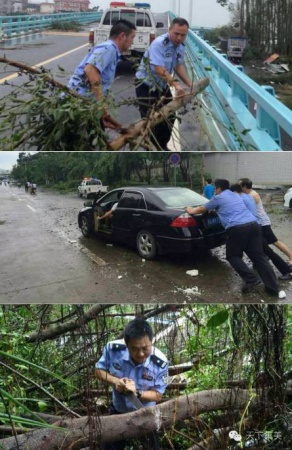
x=88, y=203
x=159, y=25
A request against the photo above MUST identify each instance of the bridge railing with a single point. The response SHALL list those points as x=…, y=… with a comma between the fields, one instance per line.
x=248, y=115
x=14, y=25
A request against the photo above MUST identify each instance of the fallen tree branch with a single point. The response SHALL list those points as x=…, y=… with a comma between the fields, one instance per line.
x=78, y=433
x=137, y=129
x=61, y=328
x=31, y=69
x=135, y=135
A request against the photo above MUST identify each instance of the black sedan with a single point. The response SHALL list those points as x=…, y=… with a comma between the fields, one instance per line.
x=153, y=220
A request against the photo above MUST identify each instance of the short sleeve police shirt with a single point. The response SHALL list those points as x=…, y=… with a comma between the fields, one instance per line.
x=162, y=52
x=104, y=57
x=150, y=375
x=230, y=208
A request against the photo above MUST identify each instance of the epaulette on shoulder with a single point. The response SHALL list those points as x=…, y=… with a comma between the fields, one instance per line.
x=165, y=40
x=158, y=361
x=117, y=347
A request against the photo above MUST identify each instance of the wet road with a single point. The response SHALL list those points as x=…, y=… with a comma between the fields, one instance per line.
x=45, y=259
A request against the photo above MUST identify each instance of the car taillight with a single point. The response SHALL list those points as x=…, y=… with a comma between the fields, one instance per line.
x=91, y=37
x=152, y=37
x=185, y=220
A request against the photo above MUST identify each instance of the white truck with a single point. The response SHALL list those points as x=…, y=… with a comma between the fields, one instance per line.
x=137, y=13
x=235, y=47
x=91, y=187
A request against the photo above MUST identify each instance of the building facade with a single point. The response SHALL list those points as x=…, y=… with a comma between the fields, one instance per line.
x=264, y=168
x=6, y=7
x=12, y=6
x=71, y=5
x=47, y=8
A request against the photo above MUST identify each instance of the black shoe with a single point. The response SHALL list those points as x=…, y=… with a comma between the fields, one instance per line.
x=247, y=286
x=287, y=276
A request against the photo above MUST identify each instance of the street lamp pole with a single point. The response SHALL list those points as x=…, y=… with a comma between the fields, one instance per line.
x=173, y=6
x=190, y=12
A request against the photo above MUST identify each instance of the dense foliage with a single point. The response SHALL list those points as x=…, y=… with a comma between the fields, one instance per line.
x=64, y=169
x=48, y=353
x=267, y=23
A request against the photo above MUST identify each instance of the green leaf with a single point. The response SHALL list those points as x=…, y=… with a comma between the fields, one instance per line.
x=218, y=319
x=42, y=405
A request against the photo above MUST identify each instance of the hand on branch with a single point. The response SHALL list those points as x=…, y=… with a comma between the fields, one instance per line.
x=179, y=90
x=109, y=122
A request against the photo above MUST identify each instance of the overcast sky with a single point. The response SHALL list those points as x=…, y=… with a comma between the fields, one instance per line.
x=206, y=13
x=8, y=159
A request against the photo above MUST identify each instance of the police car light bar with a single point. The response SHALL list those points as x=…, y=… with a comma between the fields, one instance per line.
x=129, y=5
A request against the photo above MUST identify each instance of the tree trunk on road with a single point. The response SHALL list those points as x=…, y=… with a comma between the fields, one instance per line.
x=137, y=134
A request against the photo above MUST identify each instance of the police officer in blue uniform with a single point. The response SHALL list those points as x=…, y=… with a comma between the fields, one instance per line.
x=243, y=236
x=133, y=365
x=96, y=71
x=155, y=76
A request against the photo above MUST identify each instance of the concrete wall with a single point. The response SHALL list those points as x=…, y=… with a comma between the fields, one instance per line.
x=270, y=168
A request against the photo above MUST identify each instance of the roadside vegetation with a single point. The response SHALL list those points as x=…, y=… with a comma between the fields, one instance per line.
x=64, y=170
x=268, y=27
x=230, y=367
x=65, y=26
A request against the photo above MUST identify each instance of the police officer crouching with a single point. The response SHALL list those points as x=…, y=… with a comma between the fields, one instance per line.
x=133, y=366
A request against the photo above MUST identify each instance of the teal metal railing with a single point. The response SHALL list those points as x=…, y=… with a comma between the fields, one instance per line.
x=246, y=116
x=14, y=25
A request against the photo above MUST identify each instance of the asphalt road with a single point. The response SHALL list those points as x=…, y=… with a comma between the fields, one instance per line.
x=45, y=259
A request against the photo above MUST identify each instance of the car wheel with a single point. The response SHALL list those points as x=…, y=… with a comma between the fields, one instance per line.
x=146, y=244
x=86, y=226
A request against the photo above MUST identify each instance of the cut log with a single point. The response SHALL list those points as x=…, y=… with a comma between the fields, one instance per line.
x=77, y=433
x=135, y=130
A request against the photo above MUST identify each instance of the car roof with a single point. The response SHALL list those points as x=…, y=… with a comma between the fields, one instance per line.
x=149, y=188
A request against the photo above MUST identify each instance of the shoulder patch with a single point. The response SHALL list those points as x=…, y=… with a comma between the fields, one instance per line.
x=165, y=41
x=117, y=347
x=158, y=361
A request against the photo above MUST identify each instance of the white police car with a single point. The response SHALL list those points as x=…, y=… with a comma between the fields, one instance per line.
x=139, y=14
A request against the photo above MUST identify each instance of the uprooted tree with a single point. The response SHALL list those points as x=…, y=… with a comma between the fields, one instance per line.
x=228, y=371
x=43, y=114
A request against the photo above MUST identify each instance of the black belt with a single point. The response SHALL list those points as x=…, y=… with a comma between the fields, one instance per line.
x=243, y=225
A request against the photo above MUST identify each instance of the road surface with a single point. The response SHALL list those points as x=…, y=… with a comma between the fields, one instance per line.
x=45, y=259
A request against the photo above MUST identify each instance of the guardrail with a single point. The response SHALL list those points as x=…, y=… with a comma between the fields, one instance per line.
x=11, y=26
x=245, y=115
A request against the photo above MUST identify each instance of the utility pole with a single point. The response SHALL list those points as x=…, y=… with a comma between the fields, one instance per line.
x=173, y=6
x=190, y=12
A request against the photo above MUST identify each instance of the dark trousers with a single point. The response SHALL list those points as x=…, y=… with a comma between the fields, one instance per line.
x=147, y=98
x=150, y=442
x=278, y=262
x=248, y=239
